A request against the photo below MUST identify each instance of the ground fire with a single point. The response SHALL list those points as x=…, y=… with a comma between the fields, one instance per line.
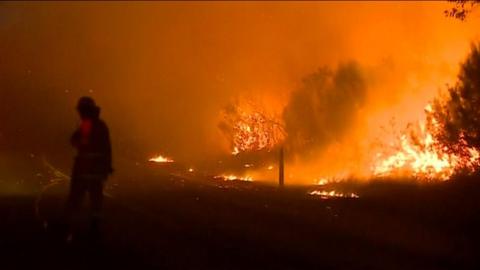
x=332, y=194
x=231, y=177
x=161, y=159
x=418, y=154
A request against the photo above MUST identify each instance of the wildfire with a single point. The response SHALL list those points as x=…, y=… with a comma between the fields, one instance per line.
x=332, y=194
x=252, y=129
x=339, y=177
x=232, y=177
x=421, y=155
x=161, y=159
x=255, y=132
x=324, y=181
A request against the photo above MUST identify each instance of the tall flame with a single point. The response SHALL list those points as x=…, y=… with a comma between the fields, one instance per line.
x=422, y=156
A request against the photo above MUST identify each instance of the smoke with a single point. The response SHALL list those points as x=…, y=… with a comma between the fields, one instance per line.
x=323, y=109
x=163, y=72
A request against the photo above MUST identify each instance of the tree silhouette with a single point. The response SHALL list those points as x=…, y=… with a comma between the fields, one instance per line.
x=457, y=115
x=461, y=8
x=323, y=109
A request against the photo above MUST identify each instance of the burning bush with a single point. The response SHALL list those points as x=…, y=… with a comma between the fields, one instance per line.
x=249, y=128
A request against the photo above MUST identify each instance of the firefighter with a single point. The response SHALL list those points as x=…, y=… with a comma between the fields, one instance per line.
x=92, y=164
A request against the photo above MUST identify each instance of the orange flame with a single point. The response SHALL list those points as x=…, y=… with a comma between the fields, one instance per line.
x=161, y=159
x=253, y=129
x=232, y=177
x=422, y=156
x=332, y=194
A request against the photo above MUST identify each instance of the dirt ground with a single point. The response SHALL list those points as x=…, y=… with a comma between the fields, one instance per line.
x=160, y=221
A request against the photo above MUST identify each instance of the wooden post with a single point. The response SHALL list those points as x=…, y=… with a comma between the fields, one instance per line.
x=281, y=170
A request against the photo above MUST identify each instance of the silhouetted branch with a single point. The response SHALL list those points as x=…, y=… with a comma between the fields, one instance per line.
x=461, y=8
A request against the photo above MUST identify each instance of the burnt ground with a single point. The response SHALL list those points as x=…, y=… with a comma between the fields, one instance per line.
x=167, y=222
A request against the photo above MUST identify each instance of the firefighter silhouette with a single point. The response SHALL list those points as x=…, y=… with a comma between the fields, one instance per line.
x=92, y=164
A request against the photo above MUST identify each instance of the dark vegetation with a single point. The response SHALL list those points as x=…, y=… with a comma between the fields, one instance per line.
x=461, y=9
x=330, y=98
x=457, y=114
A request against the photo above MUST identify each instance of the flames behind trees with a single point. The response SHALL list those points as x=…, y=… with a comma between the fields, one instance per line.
x=447, y=141
x=250, y=128
x=444, y=142
x=318, y=113
x=419, y=153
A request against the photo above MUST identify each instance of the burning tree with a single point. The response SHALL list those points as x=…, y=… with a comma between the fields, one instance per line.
x=250, y=128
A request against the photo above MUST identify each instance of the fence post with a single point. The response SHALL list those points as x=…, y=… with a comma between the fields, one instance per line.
x=281, y=169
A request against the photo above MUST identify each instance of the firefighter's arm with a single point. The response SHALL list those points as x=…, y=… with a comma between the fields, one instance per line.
x=75, y=139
